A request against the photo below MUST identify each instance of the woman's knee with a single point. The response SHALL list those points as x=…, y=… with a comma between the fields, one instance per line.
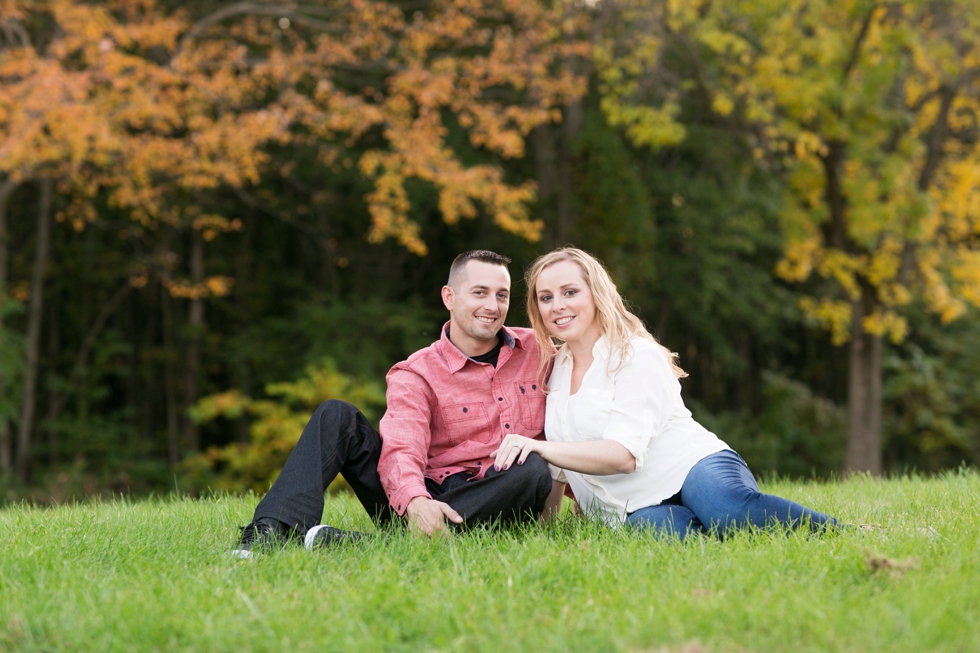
x=666, y=520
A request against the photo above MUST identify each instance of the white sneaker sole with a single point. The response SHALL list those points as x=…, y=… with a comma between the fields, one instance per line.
x=311, y=535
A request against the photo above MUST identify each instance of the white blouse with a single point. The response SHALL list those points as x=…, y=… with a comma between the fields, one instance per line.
x=640, y=407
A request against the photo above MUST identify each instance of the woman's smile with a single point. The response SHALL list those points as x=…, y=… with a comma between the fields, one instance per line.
x=566, y=304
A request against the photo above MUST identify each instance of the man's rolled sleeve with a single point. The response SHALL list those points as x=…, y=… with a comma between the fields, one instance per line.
x=405, y=438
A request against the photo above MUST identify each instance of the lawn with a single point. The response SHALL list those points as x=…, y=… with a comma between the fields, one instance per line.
x=154, y=575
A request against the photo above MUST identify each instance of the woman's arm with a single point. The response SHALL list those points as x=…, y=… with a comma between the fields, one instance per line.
x=552, y=506
x=596, y=457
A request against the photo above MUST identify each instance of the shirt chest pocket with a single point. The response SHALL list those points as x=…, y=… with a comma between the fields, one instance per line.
x=531, y=400
x=591, y=411
x=466, y=422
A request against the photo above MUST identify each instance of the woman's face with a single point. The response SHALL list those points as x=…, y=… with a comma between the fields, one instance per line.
x=566, y=304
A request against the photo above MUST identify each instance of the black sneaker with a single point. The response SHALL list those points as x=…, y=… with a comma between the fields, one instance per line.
x=323, y=536
x=263, y=534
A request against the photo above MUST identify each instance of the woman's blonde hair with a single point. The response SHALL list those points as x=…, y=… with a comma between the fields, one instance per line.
x=615, y=321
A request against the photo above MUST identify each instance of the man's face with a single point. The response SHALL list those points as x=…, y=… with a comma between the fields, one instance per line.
x=478, y=307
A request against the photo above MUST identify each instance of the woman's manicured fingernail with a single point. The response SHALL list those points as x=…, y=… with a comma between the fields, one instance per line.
x=506, y=466
x=496, y=468
x=520, y=462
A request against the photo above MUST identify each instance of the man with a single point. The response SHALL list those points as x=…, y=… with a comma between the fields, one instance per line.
x=449, y=407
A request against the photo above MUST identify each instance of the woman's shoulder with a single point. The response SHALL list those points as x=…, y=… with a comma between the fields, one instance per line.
x=645, y=347
x=646, y=354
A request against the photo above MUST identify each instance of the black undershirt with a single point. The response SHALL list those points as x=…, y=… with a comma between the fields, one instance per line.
x=490, y=356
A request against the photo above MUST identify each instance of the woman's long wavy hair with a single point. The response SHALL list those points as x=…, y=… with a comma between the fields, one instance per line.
x=615, y=320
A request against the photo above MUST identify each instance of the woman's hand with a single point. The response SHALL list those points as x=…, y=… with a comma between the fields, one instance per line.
x=596, y=457
x=517, y=448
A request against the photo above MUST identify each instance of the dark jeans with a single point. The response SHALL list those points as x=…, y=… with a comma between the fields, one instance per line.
x=721, y=493
x=339, y=439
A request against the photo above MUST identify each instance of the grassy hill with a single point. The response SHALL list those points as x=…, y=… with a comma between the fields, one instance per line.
x=155, y=576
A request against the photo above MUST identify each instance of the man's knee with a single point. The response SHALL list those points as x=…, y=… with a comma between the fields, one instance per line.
x=535, y=471
x=336, y=410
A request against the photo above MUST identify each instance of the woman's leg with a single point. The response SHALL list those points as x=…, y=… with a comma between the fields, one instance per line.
x=667, y=519
x=723, y=494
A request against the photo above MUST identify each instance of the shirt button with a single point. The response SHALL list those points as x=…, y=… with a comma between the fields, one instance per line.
x=500, y=398
x=465, y=410
x=506, y=426
x=534, y=387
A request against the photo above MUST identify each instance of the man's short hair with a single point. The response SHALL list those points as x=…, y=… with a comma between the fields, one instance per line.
x=458, y=269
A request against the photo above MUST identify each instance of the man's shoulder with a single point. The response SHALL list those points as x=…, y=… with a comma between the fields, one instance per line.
x=526, y=349
x=421, y=361
x=524, y=336
x=521, y=333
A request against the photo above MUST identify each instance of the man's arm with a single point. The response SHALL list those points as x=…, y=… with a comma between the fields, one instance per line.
x=405, y=440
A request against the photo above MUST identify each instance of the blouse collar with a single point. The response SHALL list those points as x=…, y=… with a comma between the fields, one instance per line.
x=600, y=350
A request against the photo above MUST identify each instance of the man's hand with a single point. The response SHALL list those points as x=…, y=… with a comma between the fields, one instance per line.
x=428, y=515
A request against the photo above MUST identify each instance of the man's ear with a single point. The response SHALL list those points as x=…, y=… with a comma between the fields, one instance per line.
x=448, y=297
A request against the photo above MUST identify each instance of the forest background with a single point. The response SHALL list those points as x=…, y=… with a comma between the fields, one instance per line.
x=215, y=215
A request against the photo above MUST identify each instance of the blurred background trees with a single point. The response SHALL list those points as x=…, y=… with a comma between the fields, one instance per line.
x=215, y=215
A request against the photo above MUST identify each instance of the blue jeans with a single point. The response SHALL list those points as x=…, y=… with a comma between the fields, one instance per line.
x=720, y=493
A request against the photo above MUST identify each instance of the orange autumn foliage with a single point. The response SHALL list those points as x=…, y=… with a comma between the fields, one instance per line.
x=154, y=110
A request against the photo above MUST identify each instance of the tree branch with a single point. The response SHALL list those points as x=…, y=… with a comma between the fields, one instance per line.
x=60, y=399
x=859, y=41
x=935, y=138
x=12, y=27
x=253, y=9
x=258, y=204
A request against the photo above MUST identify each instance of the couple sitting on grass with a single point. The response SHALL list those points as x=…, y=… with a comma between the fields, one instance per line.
x=489, y=423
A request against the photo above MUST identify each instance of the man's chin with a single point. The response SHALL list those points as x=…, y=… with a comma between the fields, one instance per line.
x=486, y=332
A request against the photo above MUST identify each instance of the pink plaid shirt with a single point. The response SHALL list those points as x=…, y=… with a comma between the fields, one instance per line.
x=446, y=412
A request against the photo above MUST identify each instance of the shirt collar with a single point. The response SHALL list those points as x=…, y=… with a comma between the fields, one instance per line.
x=599, y=350
x=456, y=358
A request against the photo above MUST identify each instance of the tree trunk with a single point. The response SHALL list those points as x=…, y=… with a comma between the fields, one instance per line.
x=29, y=396
x=47, y=424
x=195, y=320
x=170, y=392
x=863, y=452
x=6, y=190
x=242, y=287
x=546, y=174
x=567, y=218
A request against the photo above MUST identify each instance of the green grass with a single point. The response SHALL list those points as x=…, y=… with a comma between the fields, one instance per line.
x=155, y=576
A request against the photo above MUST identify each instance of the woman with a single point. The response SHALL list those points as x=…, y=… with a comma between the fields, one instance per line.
x=616, y=426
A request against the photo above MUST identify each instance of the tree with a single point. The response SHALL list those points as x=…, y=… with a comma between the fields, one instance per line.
x=869, y=112
x=174, y=122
